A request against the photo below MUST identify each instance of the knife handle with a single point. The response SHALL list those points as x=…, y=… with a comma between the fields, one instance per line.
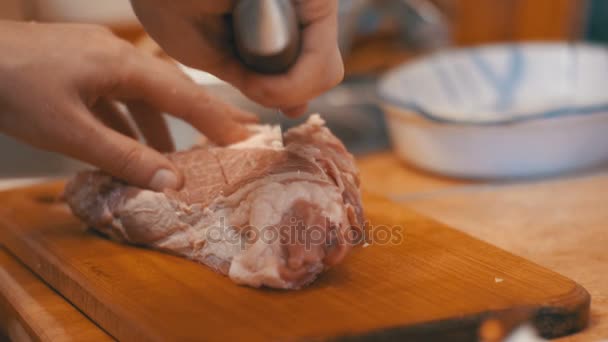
x=266, y=34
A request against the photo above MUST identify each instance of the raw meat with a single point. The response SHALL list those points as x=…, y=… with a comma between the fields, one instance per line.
x=263, y=212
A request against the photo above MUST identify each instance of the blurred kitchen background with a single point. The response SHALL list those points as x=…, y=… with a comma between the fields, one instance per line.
x=375, y=36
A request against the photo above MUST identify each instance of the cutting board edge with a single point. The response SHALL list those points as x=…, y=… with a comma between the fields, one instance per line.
x=565, y=314
x=553, y=314
x=550, y=321
x=49, y=271
x=80, y=326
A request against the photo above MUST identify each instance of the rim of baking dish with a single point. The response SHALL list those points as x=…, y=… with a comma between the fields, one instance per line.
x=601, y=107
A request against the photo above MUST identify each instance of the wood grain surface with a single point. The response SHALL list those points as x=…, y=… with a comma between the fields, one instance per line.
x=31, y=311
x=433, y=280
x=561, y=224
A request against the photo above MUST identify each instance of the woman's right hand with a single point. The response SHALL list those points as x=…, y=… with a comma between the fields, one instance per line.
x=60, y=90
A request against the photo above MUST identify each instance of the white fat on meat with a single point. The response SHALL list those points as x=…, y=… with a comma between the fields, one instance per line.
x=258, y=183
x=264, y=136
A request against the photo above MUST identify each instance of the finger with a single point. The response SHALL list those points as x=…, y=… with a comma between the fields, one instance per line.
x=245, y=118
x=109, y=113
x=296, y=111
x=152, y=126
x=116, y=154
x=318, y=68
x=163, y=86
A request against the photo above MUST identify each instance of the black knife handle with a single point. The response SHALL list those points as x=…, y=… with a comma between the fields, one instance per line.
x=267, y=34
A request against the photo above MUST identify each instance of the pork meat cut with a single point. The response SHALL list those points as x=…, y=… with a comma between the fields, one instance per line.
x=269, y=211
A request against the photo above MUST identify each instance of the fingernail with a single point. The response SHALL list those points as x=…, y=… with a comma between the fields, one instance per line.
x=164, y=179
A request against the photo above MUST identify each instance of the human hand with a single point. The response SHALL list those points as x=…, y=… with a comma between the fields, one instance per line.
x=60, y=87
x=196, y=33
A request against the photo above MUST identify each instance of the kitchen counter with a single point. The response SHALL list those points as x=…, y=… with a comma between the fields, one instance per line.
x=560, y=223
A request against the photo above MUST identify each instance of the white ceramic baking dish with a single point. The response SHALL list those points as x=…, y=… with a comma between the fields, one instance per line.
x=501, y=111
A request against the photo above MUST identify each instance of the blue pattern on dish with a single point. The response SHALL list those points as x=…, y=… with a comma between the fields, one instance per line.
x=446, y=82
x=504, y=85
x=500, y=84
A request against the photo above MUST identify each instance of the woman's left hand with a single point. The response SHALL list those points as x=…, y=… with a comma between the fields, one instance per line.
x=195, y=32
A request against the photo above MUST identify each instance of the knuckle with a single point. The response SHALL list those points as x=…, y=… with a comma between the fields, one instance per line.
x=269, y=95
x=101, y=31
x=267, y=101
x=102, y=39
x=311, y=10
x=107, y=51
x=120, y=51
x=96, y=28
x=336, y=76
x=203, y=104
x=122, y=61
x=333, y=72
x=98, y=36
x=128, y=160
x=90, y=29
x=254, y=92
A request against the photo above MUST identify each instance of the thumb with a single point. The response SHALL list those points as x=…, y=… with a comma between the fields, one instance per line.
x=123, y=158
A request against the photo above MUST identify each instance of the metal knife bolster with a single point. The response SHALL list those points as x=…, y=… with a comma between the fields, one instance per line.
x=266, y=34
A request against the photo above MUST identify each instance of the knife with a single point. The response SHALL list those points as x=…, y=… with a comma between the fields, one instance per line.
x=267, y=34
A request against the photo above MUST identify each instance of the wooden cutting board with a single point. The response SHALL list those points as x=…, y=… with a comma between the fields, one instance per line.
x=31, y=311
x=434, y=282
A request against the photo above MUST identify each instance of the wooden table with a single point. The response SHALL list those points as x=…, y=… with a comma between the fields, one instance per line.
x=560, y=223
